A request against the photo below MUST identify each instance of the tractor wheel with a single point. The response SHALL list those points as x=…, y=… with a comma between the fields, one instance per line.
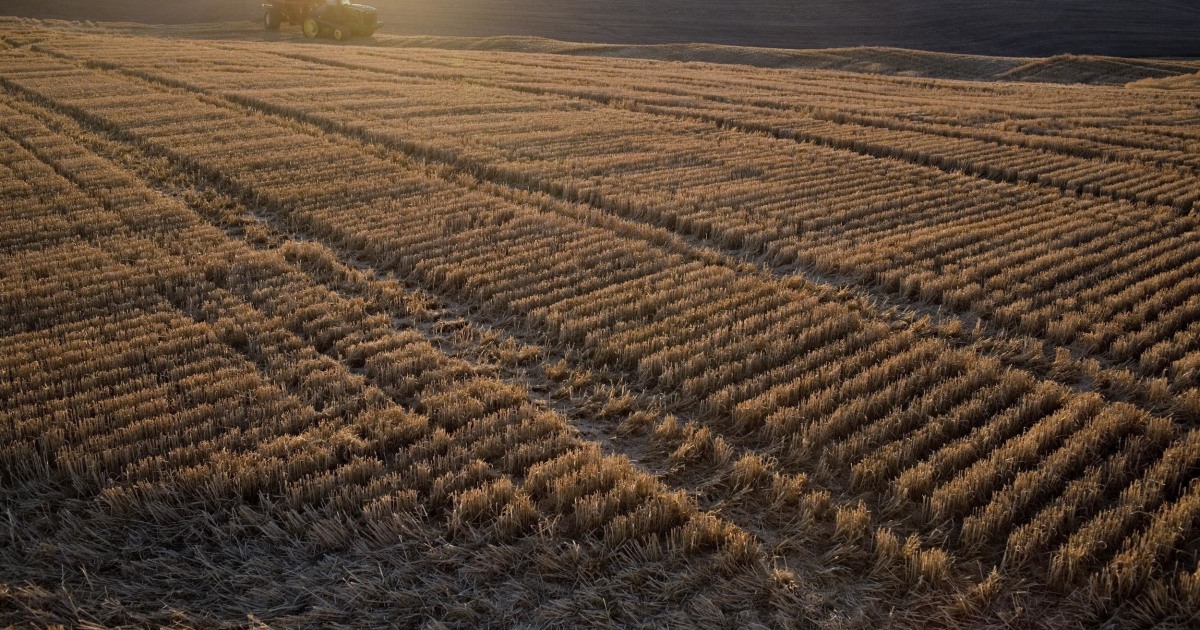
x=338, y=34
x=272, y=19
x=311, y=28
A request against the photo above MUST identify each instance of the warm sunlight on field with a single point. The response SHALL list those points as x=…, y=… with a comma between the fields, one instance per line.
x=295, y=333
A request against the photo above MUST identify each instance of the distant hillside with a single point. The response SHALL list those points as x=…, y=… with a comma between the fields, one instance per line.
x=1131, y=28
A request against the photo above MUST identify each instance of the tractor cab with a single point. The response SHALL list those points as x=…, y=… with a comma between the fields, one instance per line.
x=338, y=19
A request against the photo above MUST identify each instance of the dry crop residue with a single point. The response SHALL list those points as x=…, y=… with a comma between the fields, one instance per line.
x=314, y=335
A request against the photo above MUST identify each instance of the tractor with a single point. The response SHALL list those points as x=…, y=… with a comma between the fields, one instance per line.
x=320, y=18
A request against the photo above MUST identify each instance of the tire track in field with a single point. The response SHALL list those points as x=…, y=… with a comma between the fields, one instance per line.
x=889, y=122
x=961, y=329
x=864, y=147
x=192, y=313
x=209, y=296
x=131, y=233
x=837, y=551
x=398, y=321
x=316, y=132
x=168, y=190
x=1053, y=360
x=714, y=483
x=653, y=459
x=761, y=510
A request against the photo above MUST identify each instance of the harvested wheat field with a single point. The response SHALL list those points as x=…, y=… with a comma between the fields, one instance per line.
x=301, y=334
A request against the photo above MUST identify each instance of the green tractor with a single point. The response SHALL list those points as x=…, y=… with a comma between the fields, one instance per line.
x=339, y=19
